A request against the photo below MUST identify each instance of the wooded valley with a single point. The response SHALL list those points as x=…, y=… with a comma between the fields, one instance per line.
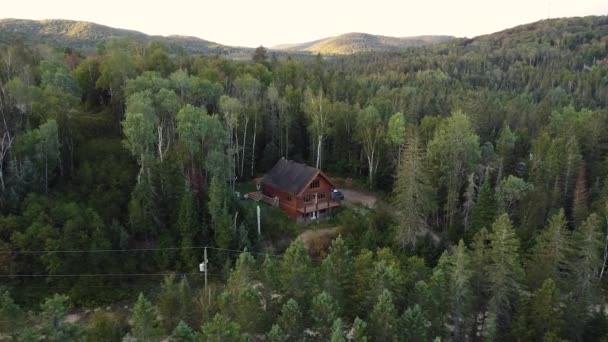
x=119, y=169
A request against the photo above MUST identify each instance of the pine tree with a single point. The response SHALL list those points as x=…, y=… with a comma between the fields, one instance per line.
x=337, y=334
x=469, y=201
x=414, y=324
x=220, y=216
x=221, y=329
x=144, y=324
x=480, y=251
x=412, y=196
x=188, y=225
x=241, y=298
x=579, y=202
x=359, y=330
x=384, y=318
x=504, y=272
x=55, y=328
x=337, y=274
x=11, y=315
x=183, y=333
x=175, y=302
x=296, y=272
x=504, y=148
x=324, y=312
x=550, y=255
x=290, y=319
x=276, y=334
x=461, y=291
x=587, y=260
x=542, y=316
x=484, y=213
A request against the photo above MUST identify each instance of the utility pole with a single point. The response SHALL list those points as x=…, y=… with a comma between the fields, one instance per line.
x=259, y=222
x=204, y=267
x=205, y=262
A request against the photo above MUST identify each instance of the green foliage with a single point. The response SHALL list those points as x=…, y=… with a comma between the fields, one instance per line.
x=290, y=319
x=530, y=146
x=296, y=273
x=144, y=325
x=188, y=225
x=324, y=311
x=221, y=329
x=183, y=333
x=504, y=272
x=42, y=147
x=370, y=133
x=541, y=318
x=54, y=327
x=337, y=334
x=412, y=193
x=414, y=324
x=511, y=191
x=551, y=255
x=11, y=315
x=175, y=303
x=276, y=334
x=338, y=274
x=384, y=320
x=359, y=330
x=485, y=210
x=453, y=151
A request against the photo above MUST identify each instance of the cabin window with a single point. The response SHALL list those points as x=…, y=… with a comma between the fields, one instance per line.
x=307, y=198
x=288, y=198
x=315, y=184
x=321, y=195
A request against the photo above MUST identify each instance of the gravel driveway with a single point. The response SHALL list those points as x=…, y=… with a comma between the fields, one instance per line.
x=356, y=197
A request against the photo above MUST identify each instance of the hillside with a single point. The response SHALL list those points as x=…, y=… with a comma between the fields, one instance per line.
x=87, y=35
x=350, y=43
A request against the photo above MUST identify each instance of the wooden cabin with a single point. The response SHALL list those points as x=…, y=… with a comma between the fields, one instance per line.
x=304, y=192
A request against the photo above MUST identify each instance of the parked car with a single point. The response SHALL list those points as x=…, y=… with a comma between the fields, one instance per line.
x=337, y=195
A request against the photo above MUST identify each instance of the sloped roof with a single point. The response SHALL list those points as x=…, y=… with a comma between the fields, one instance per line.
x=290, y=176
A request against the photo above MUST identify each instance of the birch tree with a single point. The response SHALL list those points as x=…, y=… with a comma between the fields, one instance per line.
x=140, y=129
x=370, y=132
x=231, y=109
x=316, y=108
x=395, y=134
x=453, y=151
x=249, y=91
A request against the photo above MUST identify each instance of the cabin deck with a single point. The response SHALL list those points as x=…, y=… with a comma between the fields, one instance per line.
x=258, y=196
x=319, y=206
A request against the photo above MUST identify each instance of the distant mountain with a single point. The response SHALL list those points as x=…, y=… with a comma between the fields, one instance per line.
x=85, y=35
x=350, y=43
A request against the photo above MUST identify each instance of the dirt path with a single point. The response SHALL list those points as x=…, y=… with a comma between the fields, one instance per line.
x=356, y=197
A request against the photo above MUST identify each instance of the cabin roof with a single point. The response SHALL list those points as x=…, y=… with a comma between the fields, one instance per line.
x=290, y=176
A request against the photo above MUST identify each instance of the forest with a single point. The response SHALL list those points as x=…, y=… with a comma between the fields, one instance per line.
x=119, y=171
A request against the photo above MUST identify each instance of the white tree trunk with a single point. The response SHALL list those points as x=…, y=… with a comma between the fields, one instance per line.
x=244, y=144
x=255, y=128
x=605, y=250
x=287, y=142
x=319, y=144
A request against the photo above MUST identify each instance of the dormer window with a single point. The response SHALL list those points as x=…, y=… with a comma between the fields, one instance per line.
x=314, y=184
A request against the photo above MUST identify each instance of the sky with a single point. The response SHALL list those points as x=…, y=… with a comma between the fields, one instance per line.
x=271, y=22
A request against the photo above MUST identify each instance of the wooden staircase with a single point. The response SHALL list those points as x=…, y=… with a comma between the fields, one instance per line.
x=260, y=197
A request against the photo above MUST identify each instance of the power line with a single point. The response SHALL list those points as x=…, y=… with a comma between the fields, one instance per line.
x=43, y=251
x=95, y=250
x=101, y=275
